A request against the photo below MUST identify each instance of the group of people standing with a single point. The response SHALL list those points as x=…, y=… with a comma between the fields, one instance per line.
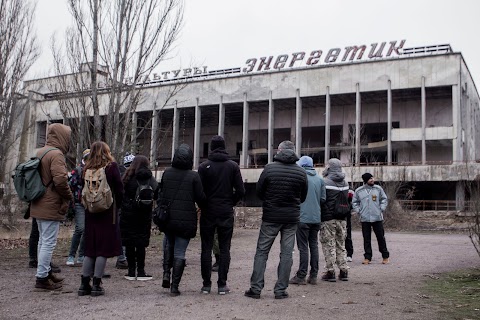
x=297, y=203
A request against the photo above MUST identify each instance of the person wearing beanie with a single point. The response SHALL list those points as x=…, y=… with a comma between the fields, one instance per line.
x=282, y=187
x=76, y=184
x=370, y=202
x=333, y=228
x=309, y=225
x=223, y=186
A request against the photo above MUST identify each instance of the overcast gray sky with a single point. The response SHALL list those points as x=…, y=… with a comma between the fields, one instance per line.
x=225, y=33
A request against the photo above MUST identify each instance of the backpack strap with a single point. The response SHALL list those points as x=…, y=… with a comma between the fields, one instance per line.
x=43, y=155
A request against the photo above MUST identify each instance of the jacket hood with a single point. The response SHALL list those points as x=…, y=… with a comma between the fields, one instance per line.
x=218, y=155
x=58, y=136
x=143, y=173
x=333, y=171
x=310, y=171
x=183, y=158
x=286, y=156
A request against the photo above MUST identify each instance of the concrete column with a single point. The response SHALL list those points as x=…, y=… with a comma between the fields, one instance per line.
x=358, y=114
x=389, y=123
x=154, y=137
x=244, y=159
x=175, y=129
x=457, y=133
x=327, y=125
x=460, y=196
x=271, y=127
x=196, y=136
x=298, y=124
x=424, y=122
x=133, y=138
x=221, y=118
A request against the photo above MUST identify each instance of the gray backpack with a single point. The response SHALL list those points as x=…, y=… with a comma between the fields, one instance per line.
x=27, y=179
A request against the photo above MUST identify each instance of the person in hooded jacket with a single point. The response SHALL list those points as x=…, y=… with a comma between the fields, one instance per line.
x=52, y=207
x=309, y=225
x=282, y=187
x=136, y=218
x=182, y=188
x=333, y=228
x=223, y=185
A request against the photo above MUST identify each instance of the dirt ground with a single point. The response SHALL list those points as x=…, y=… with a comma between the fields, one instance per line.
x=374, y=291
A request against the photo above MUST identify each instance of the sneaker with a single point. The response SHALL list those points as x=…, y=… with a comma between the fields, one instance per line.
x=329, y=276
x=297, y=280
x=80, y=259
x=343, y=275
x=121, y=264
x=385, y=261
x=55, y=268
x=206, y=289
x=70, y=261
x=223, y=290
x=131, y=276
x=249, y=293
x=366, y=261
x=349, y=259
x=142, y=276
x=282, y=295
x=312, y=280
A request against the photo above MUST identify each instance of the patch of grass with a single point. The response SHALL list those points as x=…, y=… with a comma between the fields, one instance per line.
x=456, y=293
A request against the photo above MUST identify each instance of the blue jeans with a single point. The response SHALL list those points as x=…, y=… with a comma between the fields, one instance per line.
x=77, y=238
x=178, y=245
x=46, y=244
x=268, y=233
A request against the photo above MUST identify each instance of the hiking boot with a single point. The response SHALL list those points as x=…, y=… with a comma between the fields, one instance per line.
x=297, y=280
x=329, y=276
x=206, y=289
x=70, y=261
x=312, y=280
x=97, y=289
x=32, y=263
x=55, y=278
x=223, y=290
x=249, y=293
x=85, y=287
x=343, y=275
x=47, y=284
x=282, y=295
x=55, y=268
x=80, y=259
x=143, y=276
x=385, y=261
x=121, y=265
x=366, y=261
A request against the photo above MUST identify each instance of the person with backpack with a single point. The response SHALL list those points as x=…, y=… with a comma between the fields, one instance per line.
x=77, y=242
x=370, y=201
x=309, y=225
x=333, y=227
x=181, y=189
x=136, y=215
x=223, y=185
x=102, y=195
x=51, y=208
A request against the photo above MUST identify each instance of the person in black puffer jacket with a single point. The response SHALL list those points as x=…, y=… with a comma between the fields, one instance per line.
x=183, y=188
x=136, y=218
x=282, y=187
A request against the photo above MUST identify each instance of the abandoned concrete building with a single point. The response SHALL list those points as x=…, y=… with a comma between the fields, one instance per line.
x=417, y=114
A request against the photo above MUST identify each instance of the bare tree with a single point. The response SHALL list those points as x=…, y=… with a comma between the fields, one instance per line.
x=119, y=44
x=18, y=51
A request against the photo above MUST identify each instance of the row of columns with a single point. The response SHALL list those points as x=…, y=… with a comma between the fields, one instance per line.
x=298, y=125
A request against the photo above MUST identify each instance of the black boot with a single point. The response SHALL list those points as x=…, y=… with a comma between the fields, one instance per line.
x=166, y=279
x=85, y=287
x=178, y=266
x=97, y=289
x=167, y=266
x=215, y=265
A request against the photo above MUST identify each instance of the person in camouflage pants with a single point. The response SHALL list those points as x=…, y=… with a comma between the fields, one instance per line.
x=333, y=228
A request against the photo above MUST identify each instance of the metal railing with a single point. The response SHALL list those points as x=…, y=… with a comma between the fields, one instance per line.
x=433, y=205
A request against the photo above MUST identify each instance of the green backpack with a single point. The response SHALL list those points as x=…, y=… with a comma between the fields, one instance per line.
x=27, y=179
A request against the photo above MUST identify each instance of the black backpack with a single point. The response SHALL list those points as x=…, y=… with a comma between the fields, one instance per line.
x=144, y=195
x=342, y=207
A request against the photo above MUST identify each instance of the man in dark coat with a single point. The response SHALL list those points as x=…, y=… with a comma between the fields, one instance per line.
x=282, y=187
x=223, y=185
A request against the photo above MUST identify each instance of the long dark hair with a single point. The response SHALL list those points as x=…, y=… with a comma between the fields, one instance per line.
x=100, y=156
x=138, y=162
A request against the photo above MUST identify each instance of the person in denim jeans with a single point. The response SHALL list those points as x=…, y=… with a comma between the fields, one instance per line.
x=282, y=187
x=75, y=183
